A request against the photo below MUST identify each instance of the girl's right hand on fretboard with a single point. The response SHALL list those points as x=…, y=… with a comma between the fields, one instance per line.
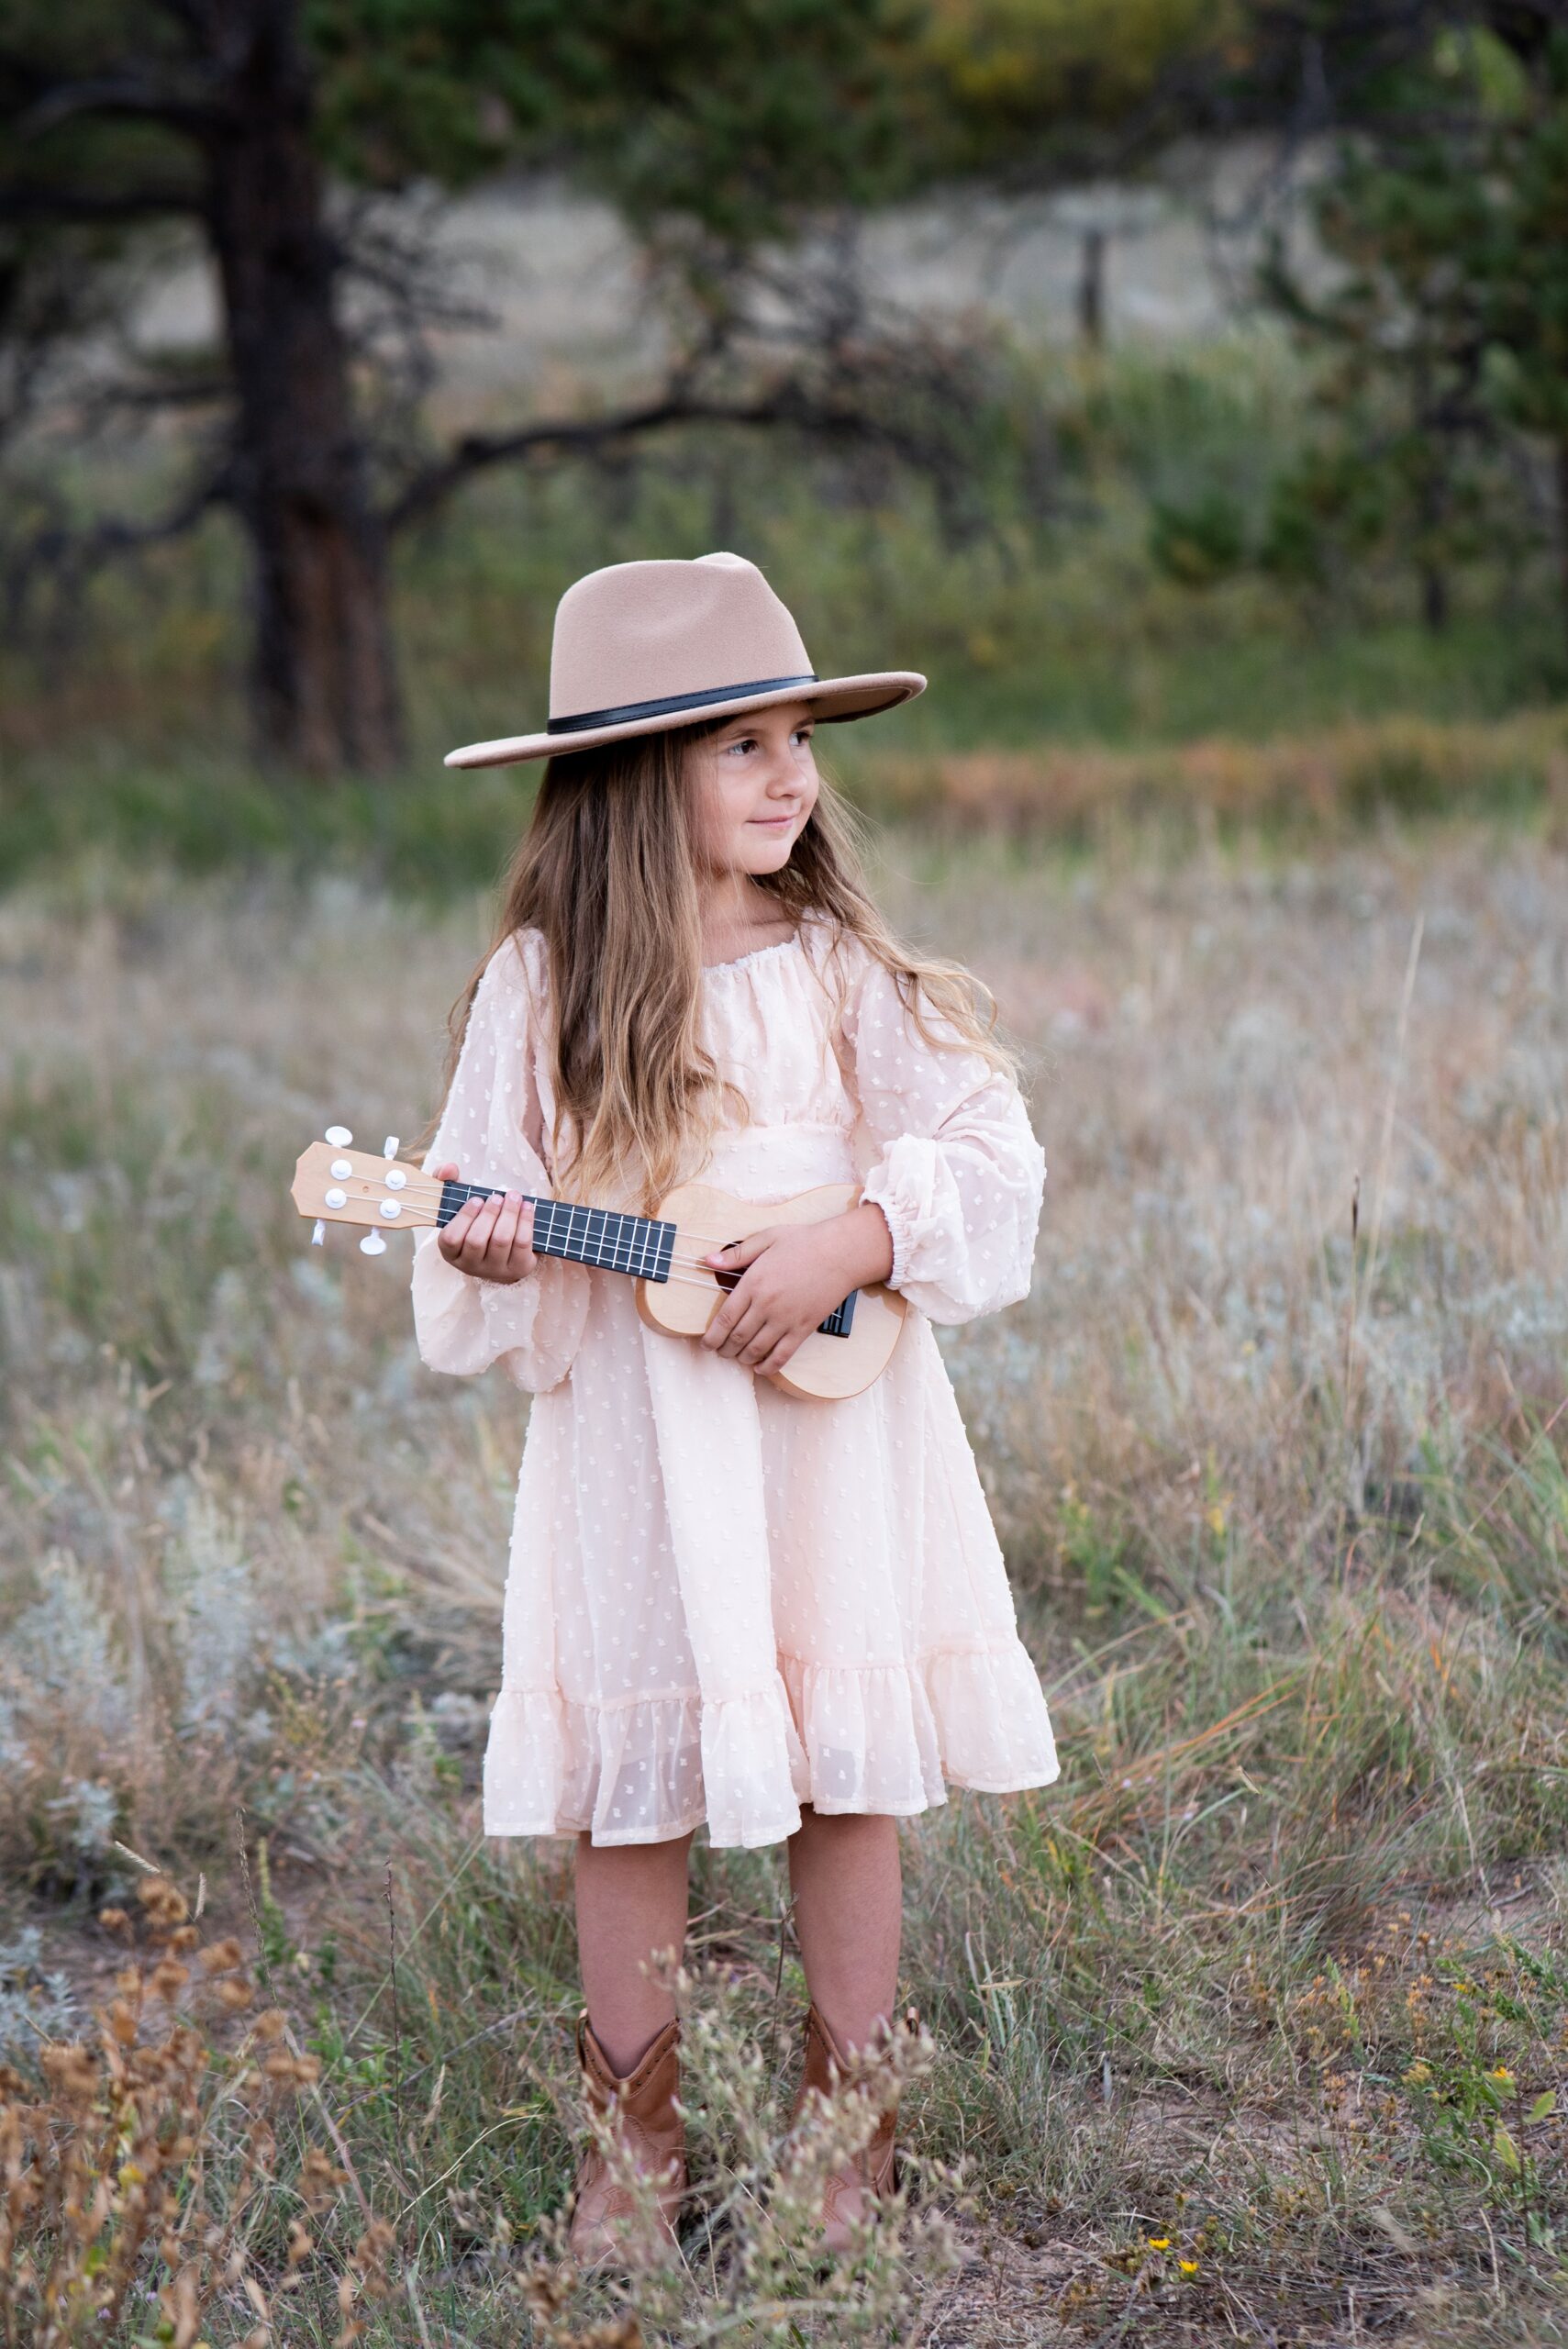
x=492, y=1238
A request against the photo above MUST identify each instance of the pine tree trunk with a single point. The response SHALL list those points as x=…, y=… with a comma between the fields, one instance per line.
x=324, y=683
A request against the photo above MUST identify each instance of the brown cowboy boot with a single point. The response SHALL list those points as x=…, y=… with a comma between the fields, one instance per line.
x=641, y=2111
x=852, y=2194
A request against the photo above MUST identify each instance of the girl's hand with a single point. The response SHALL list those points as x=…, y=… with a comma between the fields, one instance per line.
x=492, y=1238
x=795, y=1275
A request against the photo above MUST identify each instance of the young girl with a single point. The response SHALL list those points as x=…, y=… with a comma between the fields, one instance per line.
x=788, y=1619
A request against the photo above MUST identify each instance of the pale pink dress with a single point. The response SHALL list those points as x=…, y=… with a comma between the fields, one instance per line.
x=723, y=1600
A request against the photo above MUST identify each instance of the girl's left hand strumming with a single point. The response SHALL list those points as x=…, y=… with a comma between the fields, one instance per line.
x=795, y=1275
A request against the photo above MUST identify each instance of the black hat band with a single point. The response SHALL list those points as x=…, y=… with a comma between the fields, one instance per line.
x=629, y=713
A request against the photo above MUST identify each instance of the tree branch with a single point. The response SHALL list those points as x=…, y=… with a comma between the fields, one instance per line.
x=67, y=207
x=126, y=96
x=154, y=398
x=479, y=452
x=71, y=556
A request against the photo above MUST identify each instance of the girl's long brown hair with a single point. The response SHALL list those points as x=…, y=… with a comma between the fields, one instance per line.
x=608, y=872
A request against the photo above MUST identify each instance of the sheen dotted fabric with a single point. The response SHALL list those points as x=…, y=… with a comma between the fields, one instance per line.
x=723, y=1601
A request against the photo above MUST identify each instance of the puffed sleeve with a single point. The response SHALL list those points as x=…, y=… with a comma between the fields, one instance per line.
x=492, y=1128
x=959, y=1173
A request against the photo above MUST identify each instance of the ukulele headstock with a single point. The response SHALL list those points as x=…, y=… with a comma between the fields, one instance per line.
x=334, y=1182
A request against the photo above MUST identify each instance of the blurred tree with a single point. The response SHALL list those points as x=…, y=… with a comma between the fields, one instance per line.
x=1051, y=89
x=243, y=120
x=1045, y=93
x=1443, y=211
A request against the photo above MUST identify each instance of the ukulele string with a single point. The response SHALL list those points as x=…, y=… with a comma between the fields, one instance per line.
x=425, y=1216
x=694, y=1269
x=684, y=1230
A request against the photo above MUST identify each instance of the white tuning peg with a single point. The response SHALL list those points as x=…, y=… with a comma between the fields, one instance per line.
x=373, y=1244
x=339, y=1137
x=318, y=1235
x=389, y=1147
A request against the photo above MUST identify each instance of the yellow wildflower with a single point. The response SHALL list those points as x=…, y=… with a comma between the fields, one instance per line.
x=1188, y=2266
x=1159, y=2242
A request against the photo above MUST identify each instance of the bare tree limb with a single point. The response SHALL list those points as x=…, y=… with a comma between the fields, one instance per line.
x=762, y=344
x=152, y=398
x=122, y=96
x=67, y=556
x=73, y=207
x=477, y=453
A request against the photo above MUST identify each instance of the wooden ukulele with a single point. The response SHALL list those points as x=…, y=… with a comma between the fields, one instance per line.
x=676, y=1292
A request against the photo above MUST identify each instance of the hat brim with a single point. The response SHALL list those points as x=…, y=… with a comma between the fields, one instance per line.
x=830, y=698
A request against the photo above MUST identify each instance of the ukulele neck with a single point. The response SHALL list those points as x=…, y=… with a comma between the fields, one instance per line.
x=636, y=1244
x=598, y=1236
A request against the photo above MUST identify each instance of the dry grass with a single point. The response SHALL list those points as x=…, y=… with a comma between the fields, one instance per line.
x=1250, y=2027
x=153, y=2147
x=1331, y=780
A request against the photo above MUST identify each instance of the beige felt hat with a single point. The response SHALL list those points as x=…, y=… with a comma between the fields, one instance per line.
x=641, y=647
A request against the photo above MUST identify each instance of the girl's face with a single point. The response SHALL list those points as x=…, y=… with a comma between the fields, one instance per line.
x=757, y=783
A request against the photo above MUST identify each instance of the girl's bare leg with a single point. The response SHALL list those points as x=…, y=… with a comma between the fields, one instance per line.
x=631, y=1905
x=849, y=1899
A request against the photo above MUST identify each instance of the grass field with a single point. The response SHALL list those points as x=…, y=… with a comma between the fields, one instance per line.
x=1250, y=2029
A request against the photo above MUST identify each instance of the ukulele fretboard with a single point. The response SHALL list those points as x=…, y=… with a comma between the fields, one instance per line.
x=598, y=1236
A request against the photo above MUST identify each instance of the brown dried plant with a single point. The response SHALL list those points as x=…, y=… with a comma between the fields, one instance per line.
x=749, y=2265
x=139, y=2166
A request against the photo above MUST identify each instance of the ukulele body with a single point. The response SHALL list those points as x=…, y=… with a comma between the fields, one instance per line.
x=826, y=1369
